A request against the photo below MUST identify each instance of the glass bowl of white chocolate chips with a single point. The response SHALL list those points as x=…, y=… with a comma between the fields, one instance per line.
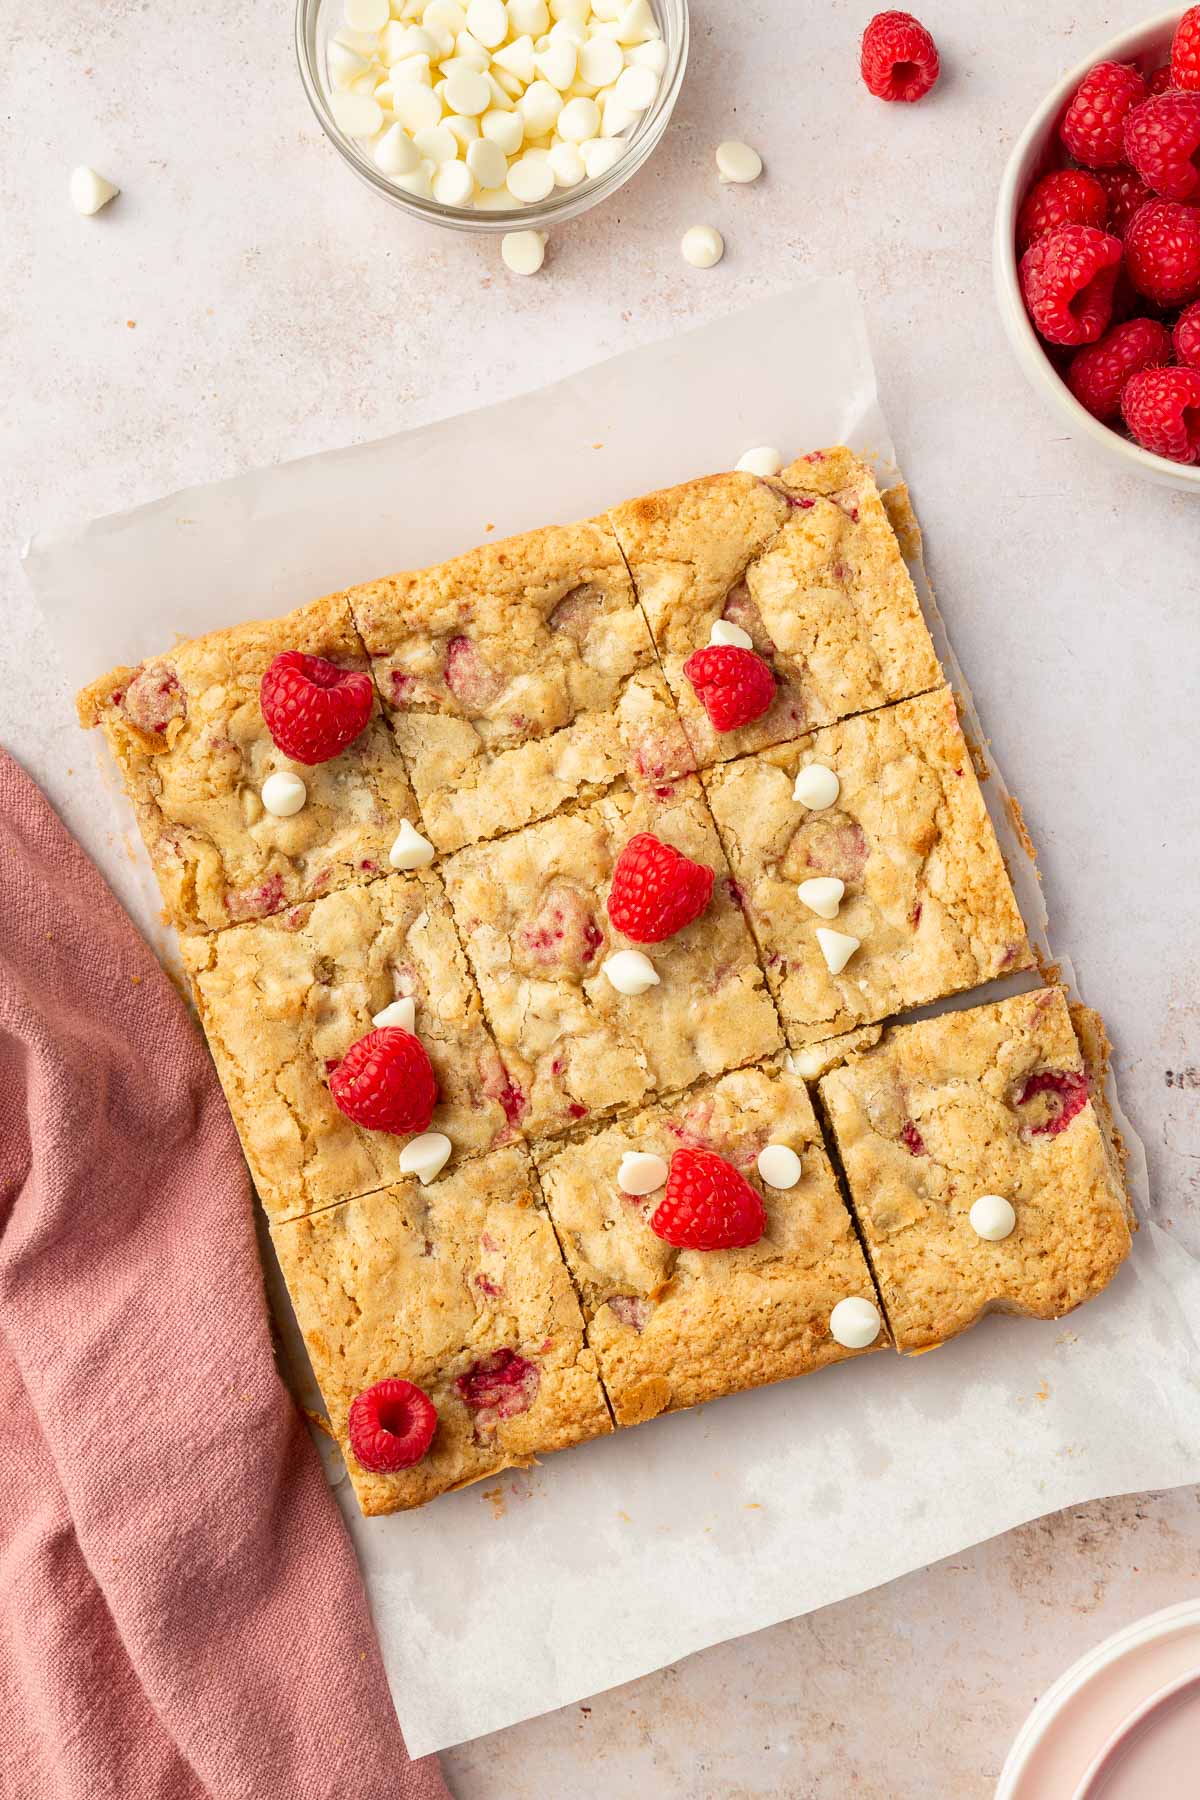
x=493, y=115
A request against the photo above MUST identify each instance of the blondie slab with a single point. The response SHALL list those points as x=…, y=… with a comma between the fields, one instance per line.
x=531, y=910
x=193, y=747
x=808, y=565
x=674, y=1327
x=926, y=890
x=283, y=999
x=460, y=1288
x=996, y=1101
x=517, y=678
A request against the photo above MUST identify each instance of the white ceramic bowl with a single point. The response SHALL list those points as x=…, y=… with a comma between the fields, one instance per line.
x=1148, y=44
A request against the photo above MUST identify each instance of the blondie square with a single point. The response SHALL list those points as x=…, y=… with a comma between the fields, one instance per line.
x=283, y=999
x=517, y=678
x=674, y=1327
x=926, y=891
x=193, y=747
x=531, y=910
x=996, y=1102
x=459, y=1288
x=808, y=565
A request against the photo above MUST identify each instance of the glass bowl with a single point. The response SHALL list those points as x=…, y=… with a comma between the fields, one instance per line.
x=318, y=20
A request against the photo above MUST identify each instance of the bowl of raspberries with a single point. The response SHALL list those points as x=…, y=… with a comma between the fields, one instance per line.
x=1097, y=248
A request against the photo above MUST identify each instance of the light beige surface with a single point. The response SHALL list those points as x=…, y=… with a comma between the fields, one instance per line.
x=431, y=1285
x=675, y=1327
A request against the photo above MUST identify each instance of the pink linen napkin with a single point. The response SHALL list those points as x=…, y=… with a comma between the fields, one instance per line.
x=181, y=1613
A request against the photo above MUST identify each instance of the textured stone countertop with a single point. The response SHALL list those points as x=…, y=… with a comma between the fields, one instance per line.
x=246, y=301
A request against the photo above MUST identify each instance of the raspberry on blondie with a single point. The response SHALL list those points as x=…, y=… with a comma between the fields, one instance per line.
x=531, y=910
x=808, y=566
x=517, y=678
x=995, y=1105
x=283, y=999
x=188, y=733
x=673, y=1327
x=907, y=836
x=460, y=1289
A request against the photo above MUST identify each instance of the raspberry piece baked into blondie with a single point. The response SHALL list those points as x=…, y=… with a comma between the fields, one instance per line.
x=532, y=913
x=283, y=1000
x=188, y=732
x=460, y=1289
x=517, y=678
x=807, y=566
x=906, y=835
x=994, y=1105
x=675, y=1327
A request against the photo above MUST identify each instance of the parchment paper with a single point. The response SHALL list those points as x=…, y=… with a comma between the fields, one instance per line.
x=506, y=1600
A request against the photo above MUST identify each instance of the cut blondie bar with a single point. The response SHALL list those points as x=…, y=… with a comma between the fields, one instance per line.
x=188, y=733
x=459, y=1288
x=990, y=1104
x=675, y=1327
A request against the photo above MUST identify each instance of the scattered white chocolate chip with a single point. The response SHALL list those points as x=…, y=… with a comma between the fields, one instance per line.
x=361, y=116
x=425, y=1156
x=631, y=972
x=523, y=251
x=737, y=162
x=993, y=1217
x=402, y=1013
x=723, y=632
x=816, y=786
x=763, y=460
x=807, y=1064
x=702, y=246
x=779, y=1166
x=855, y=1323
x=640, y=1172
x=283, y=794
x=837, y=947
x=822, y=895
x=410, y=850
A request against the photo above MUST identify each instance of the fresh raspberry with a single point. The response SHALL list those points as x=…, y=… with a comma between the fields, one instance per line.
x=1092, y=124
x=391, y=1426
x=899, y=59
x=1162, y=409
x=499, y=1386
x=1069, y=1087
x=1064, y=197
x=1098, y=373
x=1162, y=137
x=312, y=708
x=1187, y=337
x=734, y=685
x=707, y=1205
x=386, y=1083
x=1185, y=51
x=1067, y=279
x=1162, y=251
x=655, y=891
x=1161, y=81
x=1126, y=192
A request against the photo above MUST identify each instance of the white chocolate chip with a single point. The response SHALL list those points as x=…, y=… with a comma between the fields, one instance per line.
x=487, y=20
x=723, y=632
x=616, y=119
x=416, y=182
x=516, y=59
x=283, y=794
x=487, y=163
x=367, y=15
x=410, y=850
x=530, y=177
x=631, y=972
x=779, y=1166
x=359, y=115
x=504, y=129
x=540, y=106
x=641, y=1172
x=425, y=1156
x=468, y=49
x=650, y=55
x=816, y=786
x=467, y=91
x=574, y=10
x=453, y=184
x=701, y=245
x=837, y=947
x=993, y=1217
x=436, y=143
x=855, y=1323
x=579, y=120
x=344, y=64
x=401, y=1013
x=600, y=61
x=761, y=461
x=466, y=132
x=738, y=162
x=822, y=894
x=557, y=65
x=523, y=251
x=529, y=18
x=807, y=1064
x=90, y=191
x=395, y=153
x=635, y=88
x=567, y=165
x=416, y=107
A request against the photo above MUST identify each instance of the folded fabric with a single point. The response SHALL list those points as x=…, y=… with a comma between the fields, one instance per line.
x=181, y=1613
